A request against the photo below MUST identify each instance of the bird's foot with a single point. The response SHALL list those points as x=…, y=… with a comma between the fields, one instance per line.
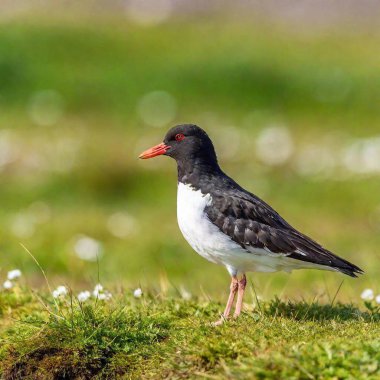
x=219, y=322
x=223, y=320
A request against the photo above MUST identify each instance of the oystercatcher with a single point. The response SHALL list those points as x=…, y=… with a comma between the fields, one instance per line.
x=230, y=226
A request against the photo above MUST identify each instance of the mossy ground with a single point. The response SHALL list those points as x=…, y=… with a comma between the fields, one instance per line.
x=154, y=338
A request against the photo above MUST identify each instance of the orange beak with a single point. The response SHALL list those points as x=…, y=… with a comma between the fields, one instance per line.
x=156, y=150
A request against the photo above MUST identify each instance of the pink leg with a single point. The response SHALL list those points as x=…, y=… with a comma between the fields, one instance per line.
x=242, y=283
x=233, y=289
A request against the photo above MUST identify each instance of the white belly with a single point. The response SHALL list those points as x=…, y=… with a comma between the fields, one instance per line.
x=212, y=244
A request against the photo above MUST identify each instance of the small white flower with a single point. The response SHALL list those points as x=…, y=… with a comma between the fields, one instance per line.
x=108, y=296
x=137, y=293
x=185, y=294
x=100, y=293
x=55, y=294
x=377, y=299
x=84, y=296
x=104, y=296
x=367, y=295
x=61, y=291
x=97, y=290
x=14, y=274
x=8, y=284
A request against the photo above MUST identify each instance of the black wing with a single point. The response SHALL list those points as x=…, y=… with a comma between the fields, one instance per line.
x=252, y=223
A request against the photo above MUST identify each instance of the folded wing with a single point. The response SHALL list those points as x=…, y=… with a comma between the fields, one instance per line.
x=255, y=225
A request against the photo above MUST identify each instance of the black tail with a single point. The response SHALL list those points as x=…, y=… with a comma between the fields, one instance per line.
x=310, y=251
x=348, y=268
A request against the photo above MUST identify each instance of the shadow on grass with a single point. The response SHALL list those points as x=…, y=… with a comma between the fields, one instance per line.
x=303, y=311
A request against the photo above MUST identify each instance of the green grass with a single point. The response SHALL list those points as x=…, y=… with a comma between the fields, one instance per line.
x=167, y=337
x=234, y=78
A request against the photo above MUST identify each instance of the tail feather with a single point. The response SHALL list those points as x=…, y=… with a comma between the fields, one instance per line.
x=310, y=251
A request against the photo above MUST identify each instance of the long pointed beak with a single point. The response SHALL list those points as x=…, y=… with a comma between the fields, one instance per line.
x=156, y=150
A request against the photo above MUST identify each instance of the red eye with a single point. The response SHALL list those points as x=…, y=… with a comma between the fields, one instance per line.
x=179, y=137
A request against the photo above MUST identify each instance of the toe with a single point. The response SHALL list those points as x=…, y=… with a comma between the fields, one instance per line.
x=218, y=322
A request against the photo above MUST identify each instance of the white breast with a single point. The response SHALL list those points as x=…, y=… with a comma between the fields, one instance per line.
x=200, y=233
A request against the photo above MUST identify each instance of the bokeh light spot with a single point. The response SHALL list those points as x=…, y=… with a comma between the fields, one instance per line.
x=45, y=108
x=121, y=225
x=87, y=248
x=274, y=145
x=157, y=108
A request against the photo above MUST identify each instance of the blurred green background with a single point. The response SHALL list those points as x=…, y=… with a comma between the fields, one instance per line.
x=292, y=103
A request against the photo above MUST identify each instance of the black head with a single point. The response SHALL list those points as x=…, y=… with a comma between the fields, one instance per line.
x=185, y=142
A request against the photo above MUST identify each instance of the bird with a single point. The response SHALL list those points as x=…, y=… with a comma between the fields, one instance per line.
x=230, y=226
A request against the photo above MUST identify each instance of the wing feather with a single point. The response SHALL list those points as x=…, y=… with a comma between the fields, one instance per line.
x=252, y=223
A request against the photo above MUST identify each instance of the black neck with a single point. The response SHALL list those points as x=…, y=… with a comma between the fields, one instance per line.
x=194, y=171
